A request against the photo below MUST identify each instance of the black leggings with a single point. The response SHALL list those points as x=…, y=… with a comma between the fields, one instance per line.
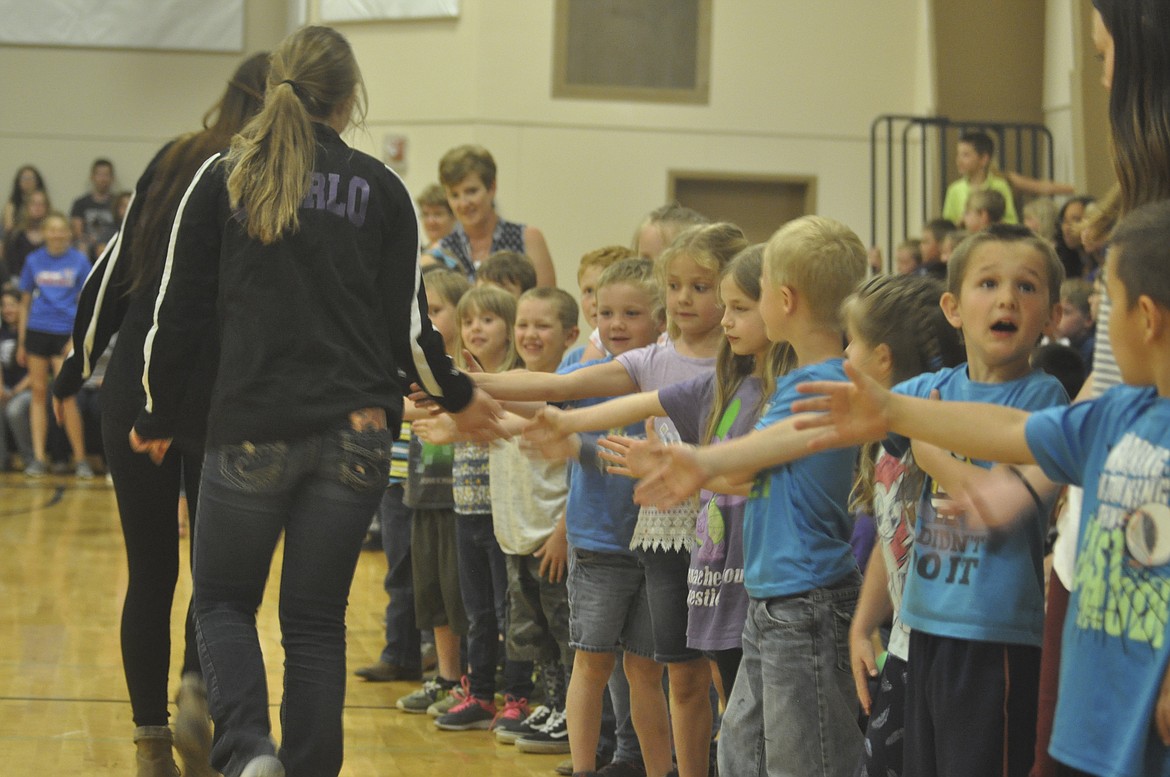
x=148, y=498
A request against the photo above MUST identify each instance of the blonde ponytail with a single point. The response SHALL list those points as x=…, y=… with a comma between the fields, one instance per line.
x=313, y=75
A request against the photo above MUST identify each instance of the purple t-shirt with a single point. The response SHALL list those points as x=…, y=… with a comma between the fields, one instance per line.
x=716, y=599
x=652, y=368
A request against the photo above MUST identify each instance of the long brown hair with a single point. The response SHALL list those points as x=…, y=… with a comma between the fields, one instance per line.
x=240, y=102
x=1139, y=107
x=731, y=369
x=312, y=74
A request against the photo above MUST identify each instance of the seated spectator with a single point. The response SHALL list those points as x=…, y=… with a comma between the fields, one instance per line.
x=1077, y=327
x=28, y=180
x=92, y=215
x=14, y=389
x=908, y=257
x=27, y=236
x=933, y=233
x=1040, y=217
x=984, y=208
x=1066, y=236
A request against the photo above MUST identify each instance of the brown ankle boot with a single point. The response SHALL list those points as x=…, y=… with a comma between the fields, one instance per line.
x=193, y=728
x=154, y=752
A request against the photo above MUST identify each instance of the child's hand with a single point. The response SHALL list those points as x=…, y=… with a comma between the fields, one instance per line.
x=864, y=662
x=21, y=356
x=679, y=477
x=554, y=555
x=423, y=401
x=630, y=457
x=552, y=448
x=440, y=430
x=472, y=363
x=481, y=419
x=546, y=427
x=852, y=413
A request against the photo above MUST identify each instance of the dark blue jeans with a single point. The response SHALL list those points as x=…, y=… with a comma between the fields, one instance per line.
x=483, y=583
x=402, y=636
x=319, y=492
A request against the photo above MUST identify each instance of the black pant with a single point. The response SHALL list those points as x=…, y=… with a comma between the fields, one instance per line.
x=970, y=707
x=148, y=498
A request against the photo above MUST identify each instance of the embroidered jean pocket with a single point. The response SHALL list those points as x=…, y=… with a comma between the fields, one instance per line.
x=364, y=462
x=253, y=467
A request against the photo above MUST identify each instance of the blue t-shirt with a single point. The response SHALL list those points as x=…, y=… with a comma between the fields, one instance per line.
x=55, y=283
x=797, y=524
x=967, y=582
x=1114, y=654
x=600, y=514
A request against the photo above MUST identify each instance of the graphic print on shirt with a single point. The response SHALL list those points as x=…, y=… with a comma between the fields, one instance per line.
x=61, y=279
x=895, y=514
x=948, y=548
x=708, y=573
x=1122, y=571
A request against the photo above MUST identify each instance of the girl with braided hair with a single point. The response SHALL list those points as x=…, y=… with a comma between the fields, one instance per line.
x=897, y=330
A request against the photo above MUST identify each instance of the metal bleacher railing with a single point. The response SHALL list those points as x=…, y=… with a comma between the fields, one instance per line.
x=1020, y=147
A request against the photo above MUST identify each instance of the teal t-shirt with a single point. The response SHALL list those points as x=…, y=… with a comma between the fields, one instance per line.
x=797, y=524
x=965, y=581
x=1114, y=651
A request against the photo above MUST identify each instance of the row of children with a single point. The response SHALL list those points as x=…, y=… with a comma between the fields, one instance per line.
x=769, y=570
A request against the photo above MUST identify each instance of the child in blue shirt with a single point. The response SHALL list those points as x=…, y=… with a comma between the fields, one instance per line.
x=1113, y=708
x=608, y=609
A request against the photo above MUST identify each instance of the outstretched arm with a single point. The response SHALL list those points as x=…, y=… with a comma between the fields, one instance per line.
x=551, y=422
x=861, y=411
x=598, y=380
x=685, y=469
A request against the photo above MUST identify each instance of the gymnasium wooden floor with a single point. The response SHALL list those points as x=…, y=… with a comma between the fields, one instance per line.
x=63, y=703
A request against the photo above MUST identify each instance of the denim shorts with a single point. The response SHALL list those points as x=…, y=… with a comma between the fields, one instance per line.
x=666, y=591
x=608, y=610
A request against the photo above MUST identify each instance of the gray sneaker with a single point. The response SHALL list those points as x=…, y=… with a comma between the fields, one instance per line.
x=36, y=469
x=430, y=692
x=83, y=470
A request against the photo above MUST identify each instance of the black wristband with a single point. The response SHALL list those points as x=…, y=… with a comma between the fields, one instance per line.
x=1031, y=491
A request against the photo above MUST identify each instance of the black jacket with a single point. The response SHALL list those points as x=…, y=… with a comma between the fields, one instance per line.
x=328, y=319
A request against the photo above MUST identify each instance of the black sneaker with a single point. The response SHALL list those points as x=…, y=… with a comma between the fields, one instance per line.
x=622, y=769
x=553, y=737
x=508, y=733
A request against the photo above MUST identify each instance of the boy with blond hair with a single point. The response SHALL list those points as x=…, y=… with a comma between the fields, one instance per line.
x=589, y=270
x=792, y=709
